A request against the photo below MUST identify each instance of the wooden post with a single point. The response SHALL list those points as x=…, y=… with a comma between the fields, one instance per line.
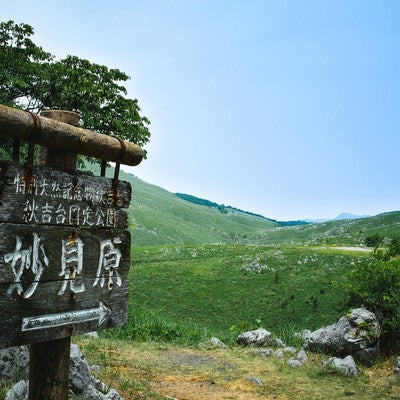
x=49, y=361
x=49, y=370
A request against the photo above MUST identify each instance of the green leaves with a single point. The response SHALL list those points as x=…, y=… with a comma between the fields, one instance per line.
x=375, y=284
x=31, y=79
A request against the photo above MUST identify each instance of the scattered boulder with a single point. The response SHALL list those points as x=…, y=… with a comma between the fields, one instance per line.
x=276, y=342
x=263, y=352
x=79, y=371
x=112, y=394
x=255, y=380
x=257, y=337
x=215, y=342
x=304, y=334
x=289, y=349
x=14, y=364
x=93, y=394
x=397, y=366
x=95, y=368
x=301, y=358
x=345, y=366
x=294, y=363
x=18, y=391
x=279, y=353
x=356, y=334
x=82, y=383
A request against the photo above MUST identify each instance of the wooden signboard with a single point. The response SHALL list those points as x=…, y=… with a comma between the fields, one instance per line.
x=64, y=254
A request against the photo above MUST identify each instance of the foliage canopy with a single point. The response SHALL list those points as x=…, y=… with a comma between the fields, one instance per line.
x=32, y=79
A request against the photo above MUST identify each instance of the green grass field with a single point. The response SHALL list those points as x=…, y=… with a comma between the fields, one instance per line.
x=197, y=273
x=181, y=293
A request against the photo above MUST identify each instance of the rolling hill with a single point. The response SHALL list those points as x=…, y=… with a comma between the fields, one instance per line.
x=160, y=217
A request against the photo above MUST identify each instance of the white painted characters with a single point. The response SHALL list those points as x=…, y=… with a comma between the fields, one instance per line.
x=53, y=188
x=71, y=264
x=34, y=260
x=47, y=212
x=109, y=260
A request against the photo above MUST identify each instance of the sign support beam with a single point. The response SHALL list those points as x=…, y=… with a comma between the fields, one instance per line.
x=48, y=130
x=49, y=361
x=49, y=370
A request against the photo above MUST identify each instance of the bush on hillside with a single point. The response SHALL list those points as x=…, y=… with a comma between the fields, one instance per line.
x=375, y=284
x=374, y=240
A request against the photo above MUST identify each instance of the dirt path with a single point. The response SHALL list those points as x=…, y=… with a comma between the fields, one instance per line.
x=348, y=248
x=195, y=376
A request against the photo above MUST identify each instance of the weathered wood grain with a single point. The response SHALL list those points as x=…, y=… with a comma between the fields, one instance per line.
x=12, y=332
x=53, y=197
x=46, y=270
x=21, y=125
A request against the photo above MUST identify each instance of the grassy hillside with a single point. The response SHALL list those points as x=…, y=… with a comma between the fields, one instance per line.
x=350, y=232
x=158, y=217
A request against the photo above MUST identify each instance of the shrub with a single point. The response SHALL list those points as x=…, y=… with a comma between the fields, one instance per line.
x=375, y=284
x=374, y=240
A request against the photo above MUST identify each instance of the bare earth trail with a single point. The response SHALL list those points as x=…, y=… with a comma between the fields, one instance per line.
x=347, y=248
x=151, y=371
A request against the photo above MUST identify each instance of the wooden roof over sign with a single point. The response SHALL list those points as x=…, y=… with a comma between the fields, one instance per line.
x=25, y=126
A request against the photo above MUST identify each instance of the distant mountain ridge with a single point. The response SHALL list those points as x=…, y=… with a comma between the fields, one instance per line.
x=340, y=217
x=349, y=216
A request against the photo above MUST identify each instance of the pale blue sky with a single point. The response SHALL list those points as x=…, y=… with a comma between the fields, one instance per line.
x=289, y=109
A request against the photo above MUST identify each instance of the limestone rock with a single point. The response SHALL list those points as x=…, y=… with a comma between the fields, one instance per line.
x=294, y=363
x=345, y=366
x=302, y=356
x=79, y=371
x=397, y=366
x=289, y=349
x=279, y=353
x=263, y=352
x=18, y=392
x=14, y=363
x=255, y=380
x=82, y=383
x=257, y=337
x=356, y=334
x=215, y=342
